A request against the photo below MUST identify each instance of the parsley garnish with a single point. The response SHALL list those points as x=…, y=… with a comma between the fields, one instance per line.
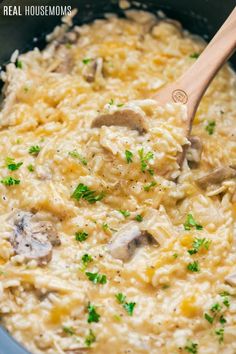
x=81, y=236
x=194, y=267
x=86, y=60
x=69, y=330
x=120, y=298
x=12, y=165
x=225, y=301
x=84, y=192
x=149, y=186
x=139, y=218
x=125, y=213
x=97, y=278
x=105, y=226
x=220, y=333
x=9, y=181
x=210, y=128
x=90, y=339
x=86, y=259
x=34, y=150
x=194, y=55
x=216, y=308
x=30, y=168
x=76, y=155
x=199, y=243
x=191, y=347
x=19, y=64
x=222, y=320
x=129, y=156
x=128, y=306
x=93, y=316
x=190, y=223
x=209, y=318
x=111, y=102
x=145, y=158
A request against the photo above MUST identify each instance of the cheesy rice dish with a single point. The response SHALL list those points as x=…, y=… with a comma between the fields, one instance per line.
x=106, y=244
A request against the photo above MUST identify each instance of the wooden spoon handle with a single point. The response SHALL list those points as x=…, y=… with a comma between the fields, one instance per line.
x=190, y=87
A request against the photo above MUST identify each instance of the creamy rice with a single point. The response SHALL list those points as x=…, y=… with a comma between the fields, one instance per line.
x=184, y=299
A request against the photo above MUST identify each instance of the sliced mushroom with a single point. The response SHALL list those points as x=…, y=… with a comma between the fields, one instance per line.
x=217, y=176
x=231, y=279
x=124, y=242
x=33, y=238
x=93, y=70
x=126, y=117
x=64, y=60
x=194, y=152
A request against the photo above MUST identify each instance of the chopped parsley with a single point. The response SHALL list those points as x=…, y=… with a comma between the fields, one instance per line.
x=90, y=339
x=111, y=102
x=76, y=155
x=128, y=306
x=145, y=158
x=125, y=213
x=86, y=60
x=209, y=318
x=149, y=186
x=93, y=316
x=86, y=259
x=30, y=168
x=194, y=55
x=81, y=236
x=34, y=150
x=193, y=267
x=220, y=334
x=191, y=223
x=199, y=243
x=222, y=320
x=216, y=308
x=210, y=128
x=97, y=278
x=69, y=330
x=175, y=255
x=139, y=218
x=19, y=64
x=225, y=299
x=120, y=298
x=12, y=165
x=84, y=192
x=129, y=156
x=191, y=347
x=9, y=181
x=105, y=226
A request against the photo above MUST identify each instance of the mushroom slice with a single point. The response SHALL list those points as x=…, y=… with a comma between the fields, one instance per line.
x=217, y=176
x=194, y=152
x=231, y=279
x=32, y=238
x=126, y=117
x=93, y=70
x=124, y=242
x=64, y=60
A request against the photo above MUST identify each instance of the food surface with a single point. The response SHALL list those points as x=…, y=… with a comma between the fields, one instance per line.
x=106, y=245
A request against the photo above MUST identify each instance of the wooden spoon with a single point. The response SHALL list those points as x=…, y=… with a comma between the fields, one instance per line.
x=191, y=86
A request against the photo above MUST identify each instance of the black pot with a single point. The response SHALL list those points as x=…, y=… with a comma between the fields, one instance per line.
x=202, y=17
